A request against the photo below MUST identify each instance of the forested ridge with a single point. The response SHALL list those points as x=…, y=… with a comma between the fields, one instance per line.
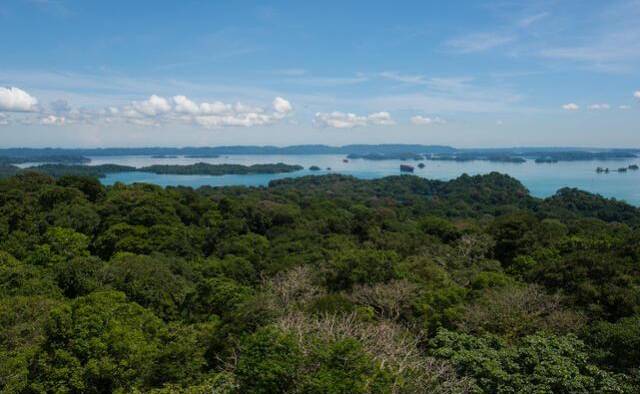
x=318, y=284
x=101, y=170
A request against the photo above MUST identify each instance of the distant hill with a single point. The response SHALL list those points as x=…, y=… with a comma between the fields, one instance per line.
x=359, y=150
x=230, y=150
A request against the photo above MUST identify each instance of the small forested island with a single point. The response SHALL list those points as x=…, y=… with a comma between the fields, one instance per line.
x=74, y=159
x=316, y=284
x=406, y=168
x=554, y=157
x=203, y=156
x=219, y=169
x=59, y=170
x=100, y=171
x=546, y=159
x=389, y=156
x=631, y=167
x=164, y=156
x=314, y=168
x=462, y=157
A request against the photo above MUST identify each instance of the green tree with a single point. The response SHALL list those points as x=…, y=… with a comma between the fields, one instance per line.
x=269, y=362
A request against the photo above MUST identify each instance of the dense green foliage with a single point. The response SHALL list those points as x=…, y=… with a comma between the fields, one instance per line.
x=73, y=159
x=59, y=170
x=100, y=171
x=492, y=157
x=220, y=169
x=390, y=156
x=320, y=284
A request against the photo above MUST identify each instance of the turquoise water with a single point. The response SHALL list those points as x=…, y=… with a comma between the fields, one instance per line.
x=542, y=180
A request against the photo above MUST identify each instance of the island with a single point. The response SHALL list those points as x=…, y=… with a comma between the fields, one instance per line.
x=314, y=168
x=219, y=169
x=69, y=159
x=203, y=156
x=164, y=157
x=386, y=156
x=545, y=159
x=406, y=168
x=554, y=157
x=364, y=151
x=60, y=170
x=100, y=171
x=462, y=157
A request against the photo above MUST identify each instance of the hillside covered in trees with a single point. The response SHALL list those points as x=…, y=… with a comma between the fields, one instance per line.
x=101, y=170
x=319, y=284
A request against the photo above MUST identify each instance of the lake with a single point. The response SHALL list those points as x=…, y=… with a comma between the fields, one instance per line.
x=542, y=180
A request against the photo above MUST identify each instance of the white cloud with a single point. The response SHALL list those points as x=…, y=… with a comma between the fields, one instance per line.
x=13, y=99
x=282, y=106
x=341, y=120
x=180, y=109
x=571, y=107
x=216, y=107
x=184, y=105
x=425, y=120
x=599, y=106
x=624, y=107
x=637, y=94
x=242, y=108
x=235, y=120
x=53, y=120
x=380, y=118
x=155, y=105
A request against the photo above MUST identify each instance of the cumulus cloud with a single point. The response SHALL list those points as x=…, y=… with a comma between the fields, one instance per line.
x=184, y=105
x=571, y=107
x=341, y=120
x=282, y=106
x=155, y=105
x=235, y=120
x=154, y=111
x=599, y=106
x=424, y=120
x=13, y=99
x=637, y=94
x=53, y=120
x=157, y=110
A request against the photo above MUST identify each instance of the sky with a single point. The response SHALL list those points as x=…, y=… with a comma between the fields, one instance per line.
x=81, y=73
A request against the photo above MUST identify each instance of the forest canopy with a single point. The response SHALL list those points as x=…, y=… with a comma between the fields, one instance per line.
x=318, y=284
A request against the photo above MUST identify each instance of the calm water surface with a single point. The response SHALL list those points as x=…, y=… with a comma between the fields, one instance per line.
x=542, y=180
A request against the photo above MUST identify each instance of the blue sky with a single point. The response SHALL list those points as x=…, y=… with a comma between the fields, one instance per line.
x=462, y=73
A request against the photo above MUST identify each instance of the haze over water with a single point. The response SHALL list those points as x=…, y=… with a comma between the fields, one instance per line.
x=542, y=180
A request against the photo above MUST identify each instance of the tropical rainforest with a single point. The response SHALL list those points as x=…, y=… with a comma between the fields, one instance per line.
x=319, y=284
